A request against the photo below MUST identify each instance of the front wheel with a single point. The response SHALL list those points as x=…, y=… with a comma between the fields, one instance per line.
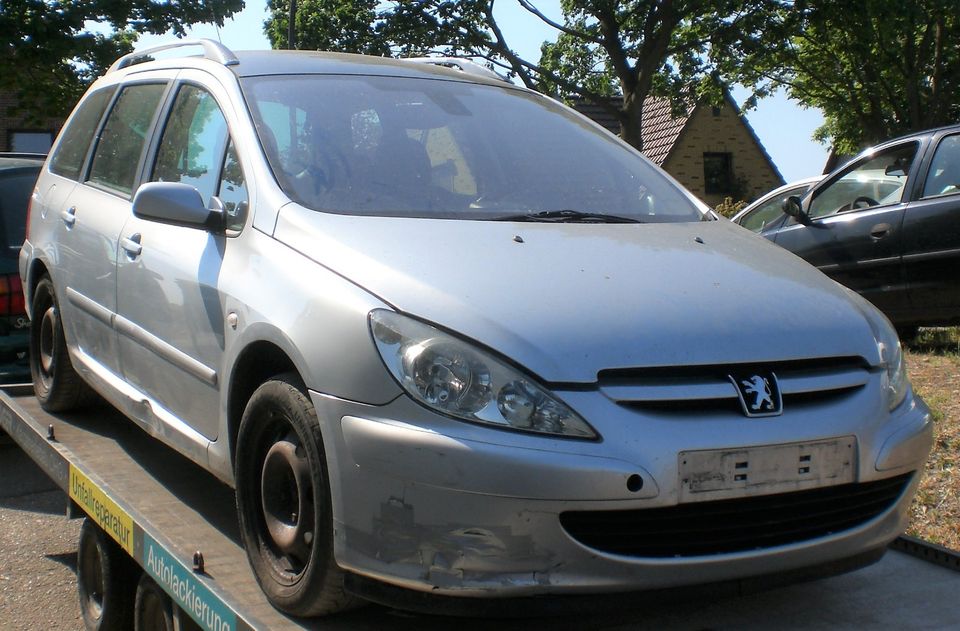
x=283, y=501
x=56, y=384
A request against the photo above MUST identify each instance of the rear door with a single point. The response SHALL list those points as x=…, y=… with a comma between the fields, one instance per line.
x=931, y=238
x=90, y=218
x=855, y=231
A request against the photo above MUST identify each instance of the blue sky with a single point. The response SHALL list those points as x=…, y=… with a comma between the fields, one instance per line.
x=784, y=128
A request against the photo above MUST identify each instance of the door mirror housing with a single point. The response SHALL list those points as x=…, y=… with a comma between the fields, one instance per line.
x=793, y=208
x=178, y=205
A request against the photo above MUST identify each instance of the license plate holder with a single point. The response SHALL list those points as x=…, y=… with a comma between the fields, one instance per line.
x=715, y=474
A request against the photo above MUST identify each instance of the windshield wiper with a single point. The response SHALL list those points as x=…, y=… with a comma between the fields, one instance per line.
x=569, y=216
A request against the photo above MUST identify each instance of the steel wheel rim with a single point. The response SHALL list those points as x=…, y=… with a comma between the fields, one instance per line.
x=46, y=342
x=93, y=581
x=287, y=506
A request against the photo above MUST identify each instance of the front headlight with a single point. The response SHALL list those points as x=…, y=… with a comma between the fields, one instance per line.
x=895, y=382
x=457, y=379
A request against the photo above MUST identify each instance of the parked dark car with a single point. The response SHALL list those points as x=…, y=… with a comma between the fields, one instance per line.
x=887, y=225
x=18, y=175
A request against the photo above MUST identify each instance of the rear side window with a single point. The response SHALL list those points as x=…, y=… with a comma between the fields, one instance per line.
x=117, y=155
x=944, y=176
x=75, y=139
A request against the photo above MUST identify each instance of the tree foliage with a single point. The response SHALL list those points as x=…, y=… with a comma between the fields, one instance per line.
x=877, y=68
x=604, y=48
x=49, y=54
x=348, y=26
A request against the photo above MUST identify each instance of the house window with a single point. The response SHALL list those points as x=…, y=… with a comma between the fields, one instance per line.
x=718, y=173
x=31, y=141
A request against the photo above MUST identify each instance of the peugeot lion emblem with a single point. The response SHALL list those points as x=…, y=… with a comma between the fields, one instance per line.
x=759, y=393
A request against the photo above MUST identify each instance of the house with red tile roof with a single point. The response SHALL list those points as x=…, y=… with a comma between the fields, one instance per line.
x=711, y=150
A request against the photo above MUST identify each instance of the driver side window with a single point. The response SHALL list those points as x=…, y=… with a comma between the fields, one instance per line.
x=877, y=180
x=193, y=143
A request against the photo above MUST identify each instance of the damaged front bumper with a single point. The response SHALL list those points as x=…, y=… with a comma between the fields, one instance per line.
x=439, y=506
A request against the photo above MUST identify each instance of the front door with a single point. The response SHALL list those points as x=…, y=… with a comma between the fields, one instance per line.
x=170, y=313
x=855, y=235
x=931, y=239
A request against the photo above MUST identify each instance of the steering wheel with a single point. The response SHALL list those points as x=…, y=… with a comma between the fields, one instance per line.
x=867, y=201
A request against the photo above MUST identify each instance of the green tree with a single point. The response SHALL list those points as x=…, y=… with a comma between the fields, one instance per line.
x=49, y=55
x=877, y=68
x=348, y=26
x=604, y=48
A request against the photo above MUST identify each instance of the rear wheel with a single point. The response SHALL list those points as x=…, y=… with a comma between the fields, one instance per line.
x=283, y=501
x=56, y=384
x=154, y=610
x=103, y=581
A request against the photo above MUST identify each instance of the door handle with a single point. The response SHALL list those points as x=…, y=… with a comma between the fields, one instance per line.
x=131, y=245
x=69, y=216
x=879, y=231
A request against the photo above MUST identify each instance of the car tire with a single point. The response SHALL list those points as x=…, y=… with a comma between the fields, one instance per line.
x=56, y=384
x=283, y=501
x=154, y=609
x=104, y=575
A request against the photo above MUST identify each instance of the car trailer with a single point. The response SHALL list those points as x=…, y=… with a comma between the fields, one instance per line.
x=160, y=540
x=194, y=574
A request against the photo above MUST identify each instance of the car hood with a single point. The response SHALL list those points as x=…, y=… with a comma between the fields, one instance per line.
x=566, y=300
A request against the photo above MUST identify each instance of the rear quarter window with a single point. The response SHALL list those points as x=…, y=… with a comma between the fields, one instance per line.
x=75, y=140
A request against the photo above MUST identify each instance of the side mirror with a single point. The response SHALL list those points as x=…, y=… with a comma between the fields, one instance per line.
x=179, y=205
x=793, y=208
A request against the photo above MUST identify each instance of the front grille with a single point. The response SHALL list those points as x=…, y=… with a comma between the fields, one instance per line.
x=696, y=390
x=724, y=526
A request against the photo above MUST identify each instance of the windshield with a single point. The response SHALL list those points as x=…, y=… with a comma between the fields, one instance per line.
x=396, y=146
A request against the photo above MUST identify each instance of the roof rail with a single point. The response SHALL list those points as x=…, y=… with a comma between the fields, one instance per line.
x=464, y=65
x=211, y=50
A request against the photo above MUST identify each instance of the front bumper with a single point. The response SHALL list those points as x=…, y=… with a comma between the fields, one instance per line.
x=435, y=505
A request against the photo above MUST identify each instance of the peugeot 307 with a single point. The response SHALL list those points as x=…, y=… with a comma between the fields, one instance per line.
x=444, y=335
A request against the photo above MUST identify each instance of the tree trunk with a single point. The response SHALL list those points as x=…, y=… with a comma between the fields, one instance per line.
x=631, y=121
x=292, y=26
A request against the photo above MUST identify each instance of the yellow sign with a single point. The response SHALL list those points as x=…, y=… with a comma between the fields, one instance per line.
x=102, y=509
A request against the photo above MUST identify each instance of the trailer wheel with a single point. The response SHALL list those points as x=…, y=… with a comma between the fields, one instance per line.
x=103, y=581
x=154, y=609
x=56, y=384
x=283, y=501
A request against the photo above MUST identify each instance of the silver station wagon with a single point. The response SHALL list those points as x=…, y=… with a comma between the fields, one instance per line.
x=445, y=336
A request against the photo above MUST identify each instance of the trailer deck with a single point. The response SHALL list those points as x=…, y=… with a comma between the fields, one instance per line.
x=163, y=509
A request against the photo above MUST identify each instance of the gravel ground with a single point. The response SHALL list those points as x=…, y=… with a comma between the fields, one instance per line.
x=38, y=549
